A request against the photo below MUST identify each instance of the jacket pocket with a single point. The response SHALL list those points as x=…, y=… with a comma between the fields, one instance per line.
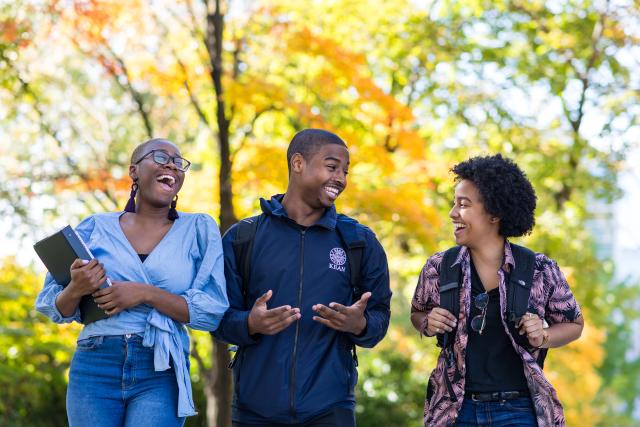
x=352, y=377
x=351, y=371
x=236, y=366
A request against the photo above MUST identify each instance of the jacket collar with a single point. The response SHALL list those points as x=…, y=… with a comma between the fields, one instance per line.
x=274, y=207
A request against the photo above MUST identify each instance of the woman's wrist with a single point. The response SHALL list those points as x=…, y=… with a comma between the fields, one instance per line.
x=424, y=329
x=147, y=294
x=67, y=301
x=545, y=339
x=71, y=292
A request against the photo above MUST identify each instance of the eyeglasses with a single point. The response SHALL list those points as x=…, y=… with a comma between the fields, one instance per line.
x=481, y=301
x=162, y=158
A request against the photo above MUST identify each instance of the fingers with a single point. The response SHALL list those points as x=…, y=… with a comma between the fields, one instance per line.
x=99, y=280
x=531, y=325
x=335, y=312
x=363, y=299
x=277, y=320
x=280, y=312
x=270, y=322
x=283, y=323
x=440, y=320
x=337, y=316
x=337, y=307
x=107, y=289
x=86, y=276
x=79, y=263
x=108, y=305
x=264, y=298
x=441, y=312
x=325, y=322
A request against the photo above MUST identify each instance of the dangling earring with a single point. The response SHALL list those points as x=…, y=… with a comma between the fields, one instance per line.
x=173, y=213
x=131, y=204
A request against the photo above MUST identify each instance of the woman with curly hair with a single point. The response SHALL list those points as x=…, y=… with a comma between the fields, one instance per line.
x=489, y=371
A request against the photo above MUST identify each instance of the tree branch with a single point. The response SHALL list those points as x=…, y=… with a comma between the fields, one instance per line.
x=128, y=87
x=54, y=134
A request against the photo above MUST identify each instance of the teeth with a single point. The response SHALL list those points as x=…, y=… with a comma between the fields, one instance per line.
x=334, y=191
x=458, y=225
x=171, y=179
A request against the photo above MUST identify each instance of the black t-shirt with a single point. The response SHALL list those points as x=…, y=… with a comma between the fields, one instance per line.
x=492, y=362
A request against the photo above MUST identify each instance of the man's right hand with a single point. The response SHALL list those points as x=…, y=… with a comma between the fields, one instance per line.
x=270, y=322
x=86, y=277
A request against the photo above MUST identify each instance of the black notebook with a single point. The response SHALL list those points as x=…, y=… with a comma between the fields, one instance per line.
x=58, y=252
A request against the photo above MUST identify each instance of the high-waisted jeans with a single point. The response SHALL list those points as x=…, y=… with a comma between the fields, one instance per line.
x=508, y=413
x=112, y=383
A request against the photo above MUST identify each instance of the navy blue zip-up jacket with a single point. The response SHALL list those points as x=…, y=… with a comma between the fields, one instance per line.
x=307, y=368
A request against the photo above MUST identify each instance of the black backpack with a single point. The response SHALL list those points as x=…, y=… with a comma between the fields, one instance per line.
x=520, y=281
x=347, y=229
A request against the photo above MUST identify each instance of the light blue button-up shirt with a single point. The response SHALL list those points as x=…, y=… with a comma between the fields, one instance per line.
x=188, y=262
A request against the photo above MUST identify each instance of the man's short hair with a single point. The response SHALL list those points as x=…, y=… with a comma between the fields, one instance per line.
x=307, y=142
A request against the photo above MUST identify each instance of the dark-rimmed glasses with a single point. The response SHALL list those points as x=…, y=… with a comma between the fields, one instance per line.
x=481, y=301
x=162, y=158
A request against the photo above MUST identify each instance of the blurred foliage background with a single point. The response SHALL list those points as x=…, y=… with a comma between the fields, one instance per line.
x=412, y=86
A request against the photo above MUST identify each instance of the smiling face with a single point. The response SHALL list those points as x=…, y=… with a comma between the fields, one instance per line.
x=473, y=224
x=157, y=184
x=323, y=177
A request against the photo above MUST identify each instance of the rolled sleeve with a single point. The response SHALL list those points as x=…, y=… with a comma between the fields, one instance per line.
x=561, y=306
x=205, y=311
x=207, y=299
x=46, y=302
x=427, y=294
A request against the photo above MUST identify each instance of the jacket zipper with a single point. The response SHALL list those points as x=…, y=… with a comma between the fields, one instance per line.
x=292, y=380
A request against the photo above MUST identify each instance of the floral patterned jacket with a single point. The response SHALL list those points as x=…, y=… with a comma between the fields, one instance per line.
x=550, y=297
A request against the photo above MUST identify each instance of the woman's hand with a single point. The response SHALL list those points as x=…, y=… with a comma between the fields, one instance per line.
x=533, y=326
x=121, y=296
x=86, y=278
x=439, y=321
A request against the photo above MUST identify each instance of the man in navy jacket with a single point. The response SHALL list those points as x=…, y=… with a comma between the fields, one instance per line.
x=298, y=321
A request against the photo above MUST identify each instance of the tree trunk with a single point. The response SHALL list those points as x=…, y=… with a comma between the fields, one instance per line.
x=219, y=395
x=222, y=386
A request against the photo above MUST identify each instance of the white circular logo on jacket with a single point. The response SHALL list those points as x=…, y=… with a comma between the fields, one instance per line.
x=338, y=256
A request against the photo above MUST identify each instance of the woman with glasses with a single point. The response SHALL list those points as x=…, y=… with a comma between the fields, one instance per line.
x=489, y=372
x=166, y=269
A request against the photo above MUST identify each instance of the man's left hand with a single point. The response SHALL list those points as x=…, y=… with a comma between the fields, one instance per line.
x=344, y=318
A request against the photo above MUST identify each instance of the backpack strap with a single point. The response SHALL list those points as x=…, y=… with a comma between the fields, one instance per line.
x=347, y=229
x=354, y=243
x=520, y=282
x=450, y=281
x=518, y=291
x=243, y=248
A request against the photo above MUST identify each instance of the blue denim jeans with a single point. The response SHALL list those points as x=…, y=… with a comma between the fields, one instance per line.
x=507, y=413
x=112, y=383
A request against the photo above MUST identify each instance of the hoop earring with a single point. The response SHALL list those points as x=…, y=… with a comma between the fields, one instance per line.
x=173, y=213
x=131, y=204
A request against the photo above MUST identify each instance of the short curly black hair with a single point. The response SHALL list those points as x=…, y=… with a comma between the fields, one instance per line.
x=505, y=190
